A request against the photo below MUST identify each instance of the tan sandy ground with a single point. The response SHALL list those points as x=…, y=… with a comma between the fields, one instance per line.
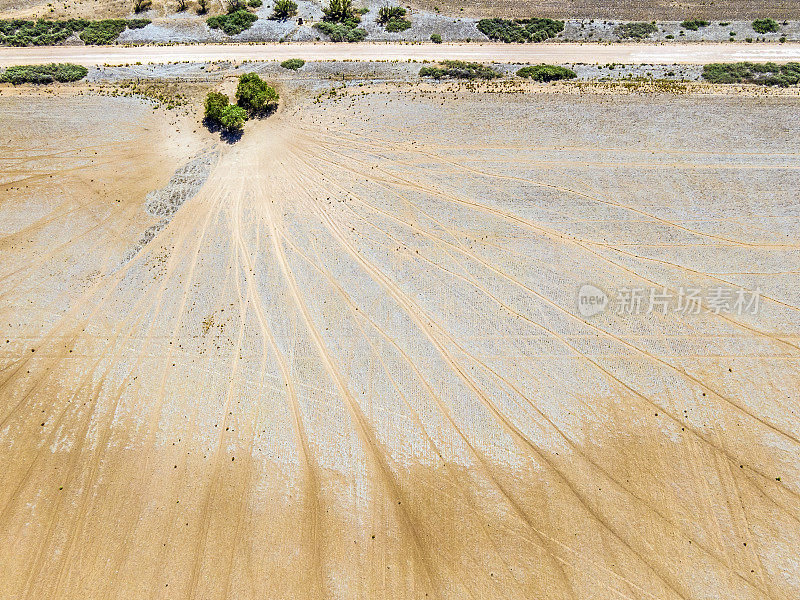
x=351, y=366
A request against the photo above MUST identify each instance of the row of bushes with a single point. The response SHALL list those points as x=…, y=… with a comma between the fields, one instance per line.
x=254, y=97
x=61, y=72
x=520, y=30
x=546, y=73
x=747, y=72
x=640, y=31
x=21, y=32
x=459, y=69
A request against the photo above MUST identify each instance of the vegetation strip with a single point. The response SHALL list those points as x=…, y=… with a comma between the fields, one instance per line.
x=61, y=72
x=746, y=72
x=21, y=32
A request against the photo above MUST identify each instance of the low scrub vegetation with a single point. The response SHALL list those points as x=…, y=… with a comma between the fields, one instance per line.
x=746, y=72
x=284, y=9
x=636, y=31
x=765, y=26
x=293, y=63
x=436, y=38
x=546, y=73
x=235, y=22
x=61, y=72
x=694, y=24
x=520, y=30
x=20, y=32
x=458, y=69
x=341, y=32
x=393, y=18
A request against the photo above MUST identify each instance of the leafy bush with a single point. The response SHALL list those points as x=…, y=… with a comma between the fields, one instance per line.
x=436, y=38
x=138, y=23
x=342, y=11
x=141, y=5
x=61, y=72
x=254, y=94
x=284, y=9
x=747, y=72
x=233, y=23
x=293, y=63
x=396, y=25
x=214, y=105
x=694, y=24
x=765, y=26
x=254, y=3
x=546, y=73
x=636, y=31
x=232, y=117
x=458, y=69
x=341, y=32
x=389, y=13
x=520, y=30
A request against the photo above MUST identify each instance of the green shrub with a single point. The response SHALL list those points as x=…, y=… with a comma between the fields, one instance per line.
x=765, y=26
x=396, y=25
x=436, y=38
x=138, y=23
x=341, y=32
x=233, y=23
x=390, y=13
x=694, y=24
x=103, y=32
x=254, y=3
x=746, y=72
x=232, y=117
x=284, y=9
x=341, y=11
x=636, y=31
x=214, y=105
x=458, y=69
x=293, y=63
x=546, y=73
x=254, y=94
x=520, y=30
x=61, y=72
x=141, y=5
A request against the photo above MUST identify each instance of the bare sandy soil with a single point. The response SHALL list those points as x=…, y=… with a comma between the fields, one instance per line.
x=486, y=52
x=352, y=365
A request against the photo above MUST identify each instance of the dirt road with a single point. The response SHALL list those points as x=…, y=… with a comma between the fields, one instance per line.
x=552, y=53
